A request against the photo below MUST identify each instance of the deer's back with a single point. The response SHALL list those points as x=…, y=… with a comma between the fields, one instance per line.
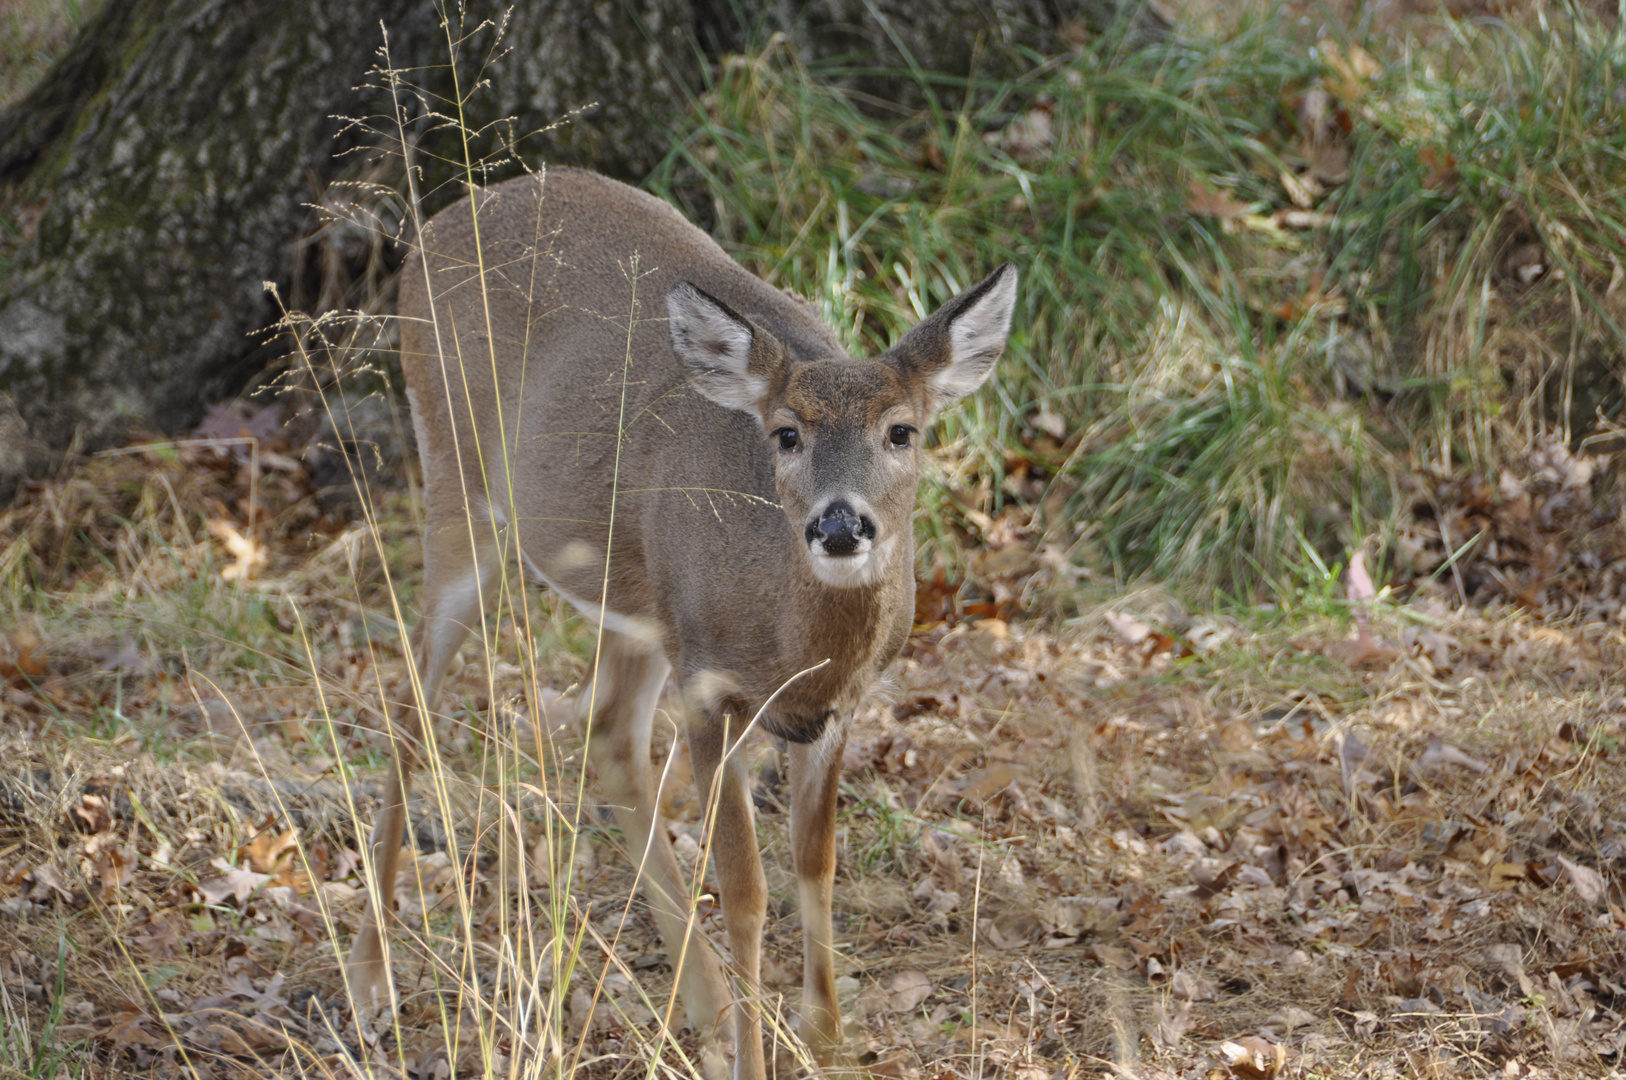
x=569, y=337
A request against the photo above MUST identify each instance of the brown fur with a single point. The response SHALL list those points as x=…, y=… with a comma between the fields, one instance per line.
x=520, y=390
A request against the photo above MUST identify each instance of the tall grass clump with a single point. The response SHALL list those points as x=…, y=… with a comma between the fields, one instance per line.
x=1263, y=280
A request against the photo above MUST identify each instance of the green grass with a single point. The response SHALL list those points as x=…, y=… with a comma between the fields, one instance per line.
x=1201, y=362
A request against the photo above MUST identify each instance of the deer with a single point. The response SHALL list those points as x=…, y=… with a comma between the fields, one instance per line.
x=687, y=456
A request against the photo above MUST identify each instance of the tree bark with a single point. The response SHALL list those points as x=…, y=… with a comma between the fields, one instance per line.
x=161, y=174
x=164, y=170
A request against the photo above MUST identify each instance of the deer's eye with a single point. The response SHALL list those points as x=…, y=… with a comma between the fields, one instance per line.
x=788, y=439
x=899, y=435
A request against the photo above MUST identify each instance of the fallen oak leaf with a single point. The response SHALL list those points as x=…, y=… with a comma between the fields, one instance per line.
x=1130, y=630
x=249, y=555
x=1364, y=651
x=1253, y=1057
x=94, y=813
x=1204, y=202
x=125, y=1031
x=907, y=990
x=1588, y=884
x=1440, y=754
x=270, y=852
x=24, y=668
x=47, y=879
x=110, y=862
x=232, y=883
x=1171, y=1027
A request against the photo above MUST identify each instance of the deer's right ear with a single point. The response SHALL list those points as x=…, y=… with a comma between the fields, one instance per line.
x=729, y=359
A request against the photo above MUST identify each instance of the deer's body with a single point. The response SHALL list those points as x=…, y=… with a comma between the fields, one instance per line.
x=617, y=396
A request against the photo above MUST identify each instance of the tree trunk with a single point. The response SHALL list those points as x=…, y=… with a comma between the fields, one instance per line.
x=164, y=170
x=161, y=174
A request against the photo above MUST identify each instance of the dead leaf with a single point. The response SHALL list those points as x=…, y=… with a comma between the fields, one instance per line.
x=1203, y=202
x=47, y=879
x=1364, y=651
x=1025, y=135
x=109, y=862
x=1588, y=884
x=907, y=990
x=1351, y=68
x=984, y=784
x=1303, y=191
x=1189, y=987
x=1293, y=1017
x=1359, y=590
x=24, y=667
x=1172, y=1027
x=249, y=555
x=1130, y=630
x=232, y=883
x=1440, y=754
x=1253, y=1057
x=270, y=852
x=126, y=1031
x=1442, y=169
x=94, y=813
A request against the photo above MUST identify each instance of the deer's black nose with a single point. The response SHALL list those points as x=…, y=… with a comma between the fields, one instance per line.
x=840, y=528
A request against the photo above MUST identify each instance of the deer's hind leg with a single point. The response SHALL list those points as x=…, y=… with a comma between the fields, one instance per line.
x=618, y=718
x=460, y=571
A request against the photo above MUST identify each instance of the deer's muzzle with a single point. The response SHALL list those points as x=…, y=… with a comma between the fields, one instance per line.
x=840, y=530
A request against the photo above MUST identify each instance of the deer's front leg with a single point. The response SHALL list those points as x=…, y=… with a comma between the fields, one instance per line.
x=815, y=769
x=722, y=782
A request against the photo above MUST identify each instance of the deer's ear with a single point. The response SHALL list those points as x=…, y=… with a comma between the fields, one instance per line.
x=730, y=359
x=954, y=350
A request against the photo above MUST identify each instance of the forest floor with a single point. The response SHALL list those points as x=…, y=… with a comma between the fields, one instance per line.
x=1339, y=835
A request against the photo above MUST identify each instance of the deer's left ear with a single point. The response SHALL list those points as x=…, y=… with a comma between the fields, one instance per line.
x=954, y=350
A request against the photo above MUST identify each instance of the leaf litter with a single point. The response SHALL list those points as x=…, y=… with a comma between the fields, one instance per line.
x=1376, y=837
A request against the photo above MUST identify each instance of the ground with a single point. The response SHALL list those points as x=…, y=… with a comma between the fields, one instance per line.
x=1345, y=833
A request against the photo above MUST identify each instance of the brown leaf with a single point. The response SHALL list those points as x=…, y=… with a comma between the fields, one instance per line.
x=1365, y=651
x=249, y=556
x=1172, y=1027
x=1113, y=956
x=94, y=813
x=232, y=883
x=162, y=937
x=47, y=879
x=109, y=862
x=270, y=852
x=24, y=667
x=1352, y=68
x=1130, y=630
x=1254, y=1057
x=126, y=1031
x=1203, y=202
x=1440, y=754
x=1588, y=884
x=1505, y=875
x=984, y=784
x=907, y=989
x=1442, y=169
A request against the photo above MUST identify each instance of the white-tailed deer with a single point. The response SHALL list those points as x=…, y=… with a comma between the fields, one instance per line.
x=687, y=455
